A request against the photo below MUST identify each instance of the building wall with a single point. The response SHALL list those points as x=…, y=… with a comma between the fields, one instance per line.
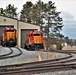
x=5, y=21
x=23, y=25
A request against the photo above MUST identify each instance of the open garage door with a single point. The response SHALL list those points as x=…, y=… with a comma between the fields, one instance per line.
x=1, y=31
x=24, y=35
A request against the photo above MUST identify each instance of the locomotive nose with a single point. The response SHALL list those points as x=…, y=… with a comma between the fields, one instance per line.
x=10, y=35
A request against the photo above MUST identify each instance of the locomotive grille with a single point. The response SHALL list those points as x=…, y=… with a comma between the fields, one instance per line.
x=10, y=35
x=37, y=39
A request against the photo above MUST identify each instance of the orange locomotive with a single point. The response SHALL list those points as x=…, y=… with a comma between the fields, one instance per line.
x=34, y=40
x=9, y=37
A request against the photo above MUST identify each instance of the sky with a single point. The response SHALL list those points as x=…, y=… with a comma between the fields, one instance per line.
x=66, y=7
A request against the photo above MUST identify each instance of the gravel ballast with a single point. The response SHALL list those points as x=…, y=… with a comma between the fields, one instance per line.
x=28, y=56
x=33, y=56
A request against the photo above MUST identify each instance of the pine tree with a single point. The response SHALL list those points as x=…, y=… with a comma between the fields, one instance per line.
x=38, y=14
x=1, y=11
x=10, y=11
x=53, y=20
x=43, y=15
x=26, y=12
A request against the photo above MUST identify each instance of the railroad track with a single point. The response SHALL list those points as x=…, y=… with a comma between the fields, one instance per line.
x=10, y=54
x=39, y=69
x=41, y=66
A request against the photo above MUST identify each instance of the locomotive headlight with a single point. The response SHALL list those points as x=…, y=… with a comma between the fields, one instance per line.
x=7, y=28
x=12, y=29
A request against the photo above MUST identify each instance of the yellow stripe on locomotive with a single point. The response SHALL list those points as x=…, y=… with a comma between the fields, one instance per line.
x=11, y=35
x=37, y=39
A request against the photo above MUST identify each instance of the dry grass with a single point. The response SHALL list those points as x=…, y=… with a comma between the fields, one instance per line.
x=69, y=48
x=49, y=55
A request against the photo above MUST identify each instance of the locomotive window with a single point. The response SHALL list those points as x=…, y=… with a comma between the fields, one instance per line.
x=36, y=34
x=10, y=30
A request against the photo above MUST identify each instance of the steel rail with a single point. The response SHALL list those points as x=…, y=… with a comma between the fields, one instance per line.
x=41, y=69
x=36, y=66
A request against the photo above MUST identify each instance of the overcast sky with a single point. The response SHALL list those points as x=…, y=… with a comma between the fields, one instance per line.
x=67, y=8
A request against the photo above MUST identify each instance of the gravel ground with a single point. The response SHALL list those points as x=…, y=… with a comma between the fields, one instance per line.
x=32, y=56
x=69, y=72
x=4, y=51
x=25, y=57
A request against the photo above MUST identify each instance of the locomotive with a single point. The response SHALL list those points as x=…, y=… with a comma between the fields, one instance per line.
x=9, y=37
x=34, y=40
